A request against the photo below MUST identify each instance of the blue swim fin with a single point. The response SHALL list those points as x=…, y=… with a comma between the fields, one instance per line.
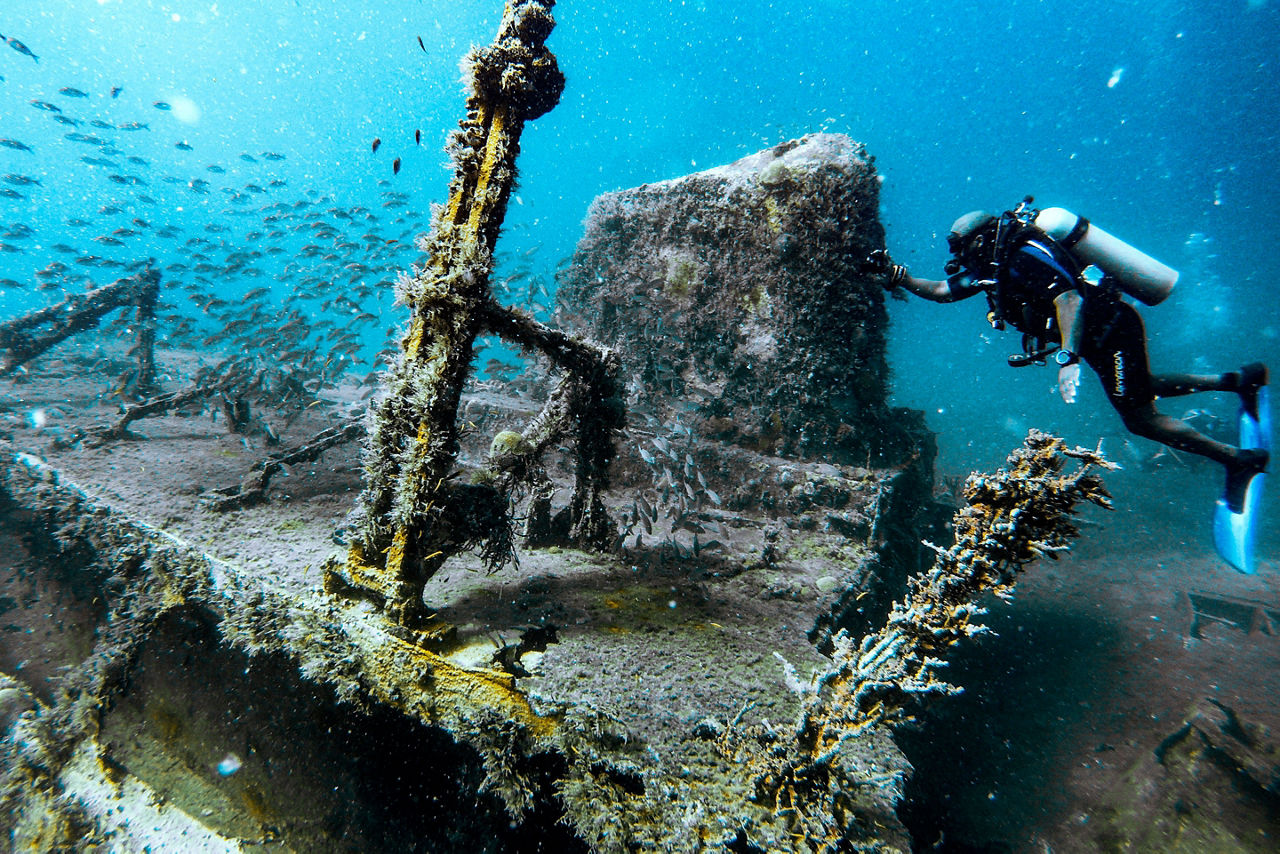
x=1235, y=534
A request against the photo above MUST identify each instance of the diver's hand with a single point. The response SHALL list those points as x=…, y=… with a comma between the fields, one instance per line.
x=878, y=263
x=1069, y=382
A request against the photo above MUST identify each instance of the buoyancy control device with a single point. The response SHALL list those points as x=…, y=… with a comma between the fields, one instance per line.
x=1137, y=273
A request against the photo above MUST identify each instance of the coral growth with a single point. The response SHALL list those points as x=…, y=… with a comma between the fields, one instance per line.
x=1021, y=513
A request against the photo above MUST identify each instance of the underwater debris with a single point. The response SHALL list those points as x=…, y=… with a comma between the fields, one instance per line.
x=413, y=513
x=1012, y=517
x=80, y=312
x=222, y=379
x=253, y=488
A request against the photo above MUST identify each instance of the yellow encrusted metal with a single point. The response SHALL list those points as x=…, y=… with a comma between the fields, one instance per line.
x=412, y=515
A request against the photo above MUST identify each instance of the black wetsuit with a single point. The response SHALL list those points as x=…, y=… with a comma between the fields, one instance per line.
x=1034, y=272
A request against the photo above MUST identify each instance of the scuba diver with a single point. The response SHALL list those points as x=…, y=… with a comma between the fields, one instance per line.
x=1058, y=280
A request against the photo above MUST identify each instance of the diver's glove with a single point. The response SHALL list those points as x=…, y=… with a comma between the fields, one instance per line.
x=878, y=263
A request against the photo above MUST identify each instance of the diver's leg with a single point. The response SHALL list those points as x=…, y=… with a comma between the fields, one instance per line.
x=1250, y=379
x=1176, y=385
x=1245, y=381
x=1241, y=463
x=1119, y=358
x=1147, y=422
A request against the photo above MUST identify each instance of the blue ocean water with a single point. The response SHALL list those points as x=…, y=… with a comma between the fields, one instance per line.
x=1159, y=121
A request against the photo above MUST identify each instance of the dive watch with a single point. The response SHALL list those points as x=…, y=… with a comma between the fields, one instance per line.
x=1065, y=357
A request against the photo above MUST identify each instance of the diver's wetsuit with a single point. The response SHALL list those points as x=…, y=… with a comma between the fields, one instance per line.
x=1036, y=271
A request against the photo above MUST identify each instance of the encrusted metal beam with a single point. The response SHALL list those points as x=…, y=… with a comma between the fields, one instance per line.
x=414, y=514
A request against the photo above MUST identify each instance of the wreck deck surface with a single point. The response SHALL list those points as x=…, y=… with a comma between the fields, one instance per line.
x=649, y=643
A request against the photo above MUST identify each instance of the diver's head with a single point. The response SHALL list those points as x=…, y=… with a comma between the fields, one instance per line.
x=971, y=240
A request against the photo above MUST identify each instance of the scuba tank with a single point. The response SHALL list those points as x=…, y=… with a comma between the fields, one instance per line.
x=1137, y=273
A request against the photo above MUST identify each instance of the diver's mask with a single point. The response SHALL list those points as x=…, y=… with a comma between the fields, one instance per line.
x=972, y=243
x=971, y=252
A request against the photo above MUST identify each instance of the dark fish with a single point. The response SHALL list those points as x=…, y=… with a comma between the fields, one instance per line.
x=11, y=194
x=86, y=138
x=116, y=90
x=99, y=123
x=217, y=170
x=67, y=120
x=145, y=199
x=10, y=283
x=248, y=158
x=140, y=161
x=108, y=210
x=417, y=136
x=107, y=240
x=72, y=93
x=100, y=161
x=20, y=180
x=395, y=166
x=182, y=146
x=77, y=222
x=376, y=142
x=421, y=45
x=22, y=49
x=271, y=155
x=46, y=106
x=130, y=180
x=133, y=126
x=162, y=105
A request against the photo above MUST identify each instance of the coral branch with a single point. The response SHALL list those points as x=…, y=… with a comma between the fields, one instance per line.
x=1012, y=517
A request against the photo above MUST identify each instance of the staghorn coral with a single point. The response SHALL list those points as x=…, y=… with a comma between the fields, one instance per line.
x=1012, y=517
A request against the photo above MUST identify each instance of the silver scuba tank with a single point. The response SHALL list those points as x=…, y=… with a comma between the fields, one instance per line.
x=1137, y=273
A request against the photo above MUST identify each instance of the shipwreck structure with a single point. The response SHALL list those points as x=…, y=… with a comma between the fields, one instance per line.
x=24, y=338
x=712, y=499
x=413, y=515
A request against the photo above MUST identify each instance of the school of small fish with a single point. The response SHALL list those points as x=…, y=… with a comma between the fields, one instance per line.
x=296, y=277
